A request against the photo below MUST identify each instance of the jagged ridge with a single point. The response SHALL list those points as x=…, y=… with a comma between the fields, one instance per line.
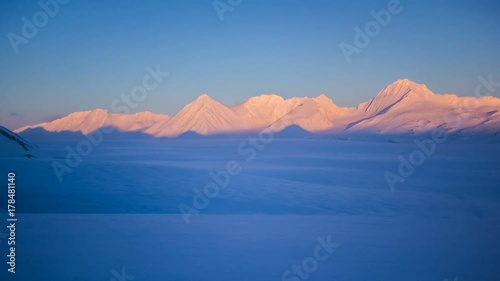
x=404, y=107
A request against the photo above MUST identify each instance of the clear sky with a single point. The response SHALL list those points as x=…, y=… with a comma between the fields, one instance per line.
x=91, y=52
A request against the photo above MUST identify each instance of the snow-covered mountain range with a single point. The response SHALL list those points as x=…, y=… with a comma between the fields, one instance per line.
x=12, y=145
x=404, y=107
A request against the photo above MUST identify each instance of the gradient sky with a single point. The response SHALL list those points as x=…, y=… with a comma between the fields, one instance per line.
x=93, y=51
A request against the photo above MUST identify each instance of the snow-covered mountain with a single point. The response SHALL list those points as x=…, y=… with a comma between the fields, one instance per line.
x=203, y=116
x=404, y=107
x=407, y=107
x=89, y=121
x=12, y=145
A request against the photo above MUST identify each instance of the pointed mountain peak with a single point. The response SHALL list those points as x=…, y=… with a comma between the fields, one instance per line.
x=325, y=101
x=396, y=92
x=204, y=98
x=405, y=81
x=323, y=98
x=404, y=86
x=203, y=102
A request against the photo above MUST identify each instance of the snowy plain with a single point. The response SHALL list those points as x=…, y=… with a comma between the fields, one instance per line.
x=119, y=210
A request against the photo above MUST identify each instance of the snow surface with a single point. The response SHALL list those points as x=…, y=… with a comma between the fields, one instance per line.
x=119, y=209
x=255, y=247
x=403, y=108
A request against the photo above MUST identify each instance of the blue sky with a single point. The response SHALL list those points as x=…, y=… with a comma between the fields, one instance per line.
x=91, y=52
